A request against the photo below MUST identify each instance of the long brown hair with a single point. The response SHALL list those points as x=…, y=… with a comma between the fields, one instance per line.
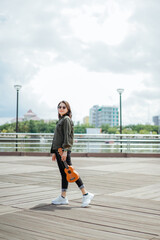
x=69, y=113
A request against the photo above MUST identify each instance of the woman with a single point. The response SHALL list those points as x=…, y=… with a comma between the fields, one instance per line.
x=63, y=138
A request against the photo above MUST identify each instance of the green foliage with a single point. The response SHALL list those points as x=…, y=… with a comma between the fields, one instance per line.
x=105, y=128
x=49, y=127
x=127, y=130
x=113, y=130
x=81, y=128
x=10, y=128
x=143, y=129
x=131, y=129
x=30, y=127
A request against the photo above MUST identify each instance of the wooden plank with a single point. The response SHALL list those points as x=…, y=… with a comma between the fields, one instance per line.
x=63, y=229
x=16, y=233
x=116, y=212
x=7, y=209
x=110, y=220
x=23, y=190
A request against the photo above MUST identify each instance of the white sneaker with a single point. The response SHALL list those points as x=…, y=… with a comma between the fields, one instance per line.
x=60, y=200
x=87, y=199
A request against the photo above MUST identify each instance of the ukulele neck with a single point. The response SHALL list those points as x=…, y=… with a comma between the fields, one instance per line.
x=65, y=164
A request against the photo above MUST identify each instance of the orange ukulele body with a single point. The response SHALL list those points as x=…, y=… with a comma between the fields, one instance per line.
x=71, y=174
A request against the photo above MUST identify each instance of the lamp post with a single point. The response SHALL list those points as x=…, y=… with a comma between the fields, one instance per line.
x=17, y=87
x=120, y=91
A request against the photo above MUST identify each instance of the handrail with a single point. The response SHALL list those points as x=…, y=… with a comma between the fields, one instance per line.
x=127, y=143
x=84, y=134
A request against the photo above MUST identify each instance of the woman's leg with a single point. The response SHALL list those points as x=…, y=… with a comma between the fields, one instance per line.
x=87, y=197
x=79, y=182
x=64, y=182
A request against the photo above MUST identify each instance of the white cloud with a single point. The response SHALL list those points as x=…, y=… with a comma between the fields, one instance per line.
x=81, y=51
x=82, y=88
x=106, y=23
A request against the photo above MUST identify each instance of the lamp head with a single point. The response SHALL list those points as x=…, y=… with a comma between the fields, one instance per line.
x=120, y=90
x=17, y=87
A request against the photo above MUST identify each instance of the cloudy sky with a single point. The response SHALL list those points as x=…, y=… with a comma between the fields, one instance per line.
x=80, y=51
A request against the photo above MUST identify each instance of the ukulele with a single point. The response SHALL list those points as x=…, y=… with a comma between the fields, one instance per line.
x=71, y=174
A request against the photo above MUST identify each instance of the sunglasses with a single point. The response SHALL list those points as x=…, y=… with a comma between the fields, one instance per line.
x=63, y=107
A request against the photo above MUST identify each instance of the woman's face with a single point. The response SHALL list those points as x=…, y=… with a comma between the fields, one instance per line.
x=62, y=109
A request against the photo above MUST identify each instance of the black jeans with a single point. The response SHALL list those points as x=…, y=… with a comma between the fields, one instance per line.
x=61, y=166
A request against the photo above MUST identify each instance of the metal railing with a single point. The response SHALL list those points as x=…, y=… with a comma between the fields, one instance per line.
x=90, y=143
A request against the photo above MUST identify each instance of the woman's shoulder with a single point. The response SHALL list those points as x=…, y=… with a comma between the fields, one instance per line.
x=68, y=119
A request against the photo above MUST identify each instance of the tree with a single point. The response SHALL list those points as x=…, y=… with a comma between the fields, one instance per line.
x=105, y=128
x=113, y=130
x=49, y=127
x=81, y=128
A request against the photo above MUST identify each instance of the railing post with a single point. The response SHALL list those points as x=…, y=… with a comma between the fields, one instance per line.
x=88, y=145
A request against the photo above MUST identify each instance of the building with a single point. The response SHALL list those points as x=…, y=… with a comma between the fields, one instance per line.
x=100, y=115
x=28, y=116
x=93, y=116
x=86, y=120
x=93, y=130
x=156, y=120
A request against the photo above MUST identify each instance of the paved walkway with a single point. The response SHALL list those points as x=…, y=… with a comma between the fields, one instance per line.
x=126, y=204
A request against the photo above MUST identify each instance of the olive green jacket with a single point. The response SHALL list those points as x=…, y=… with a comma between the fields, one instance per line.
x=63, y=135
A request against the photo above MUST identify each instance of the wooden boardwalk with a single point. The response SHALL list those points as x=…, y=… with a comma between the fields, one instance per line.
x=126, y=205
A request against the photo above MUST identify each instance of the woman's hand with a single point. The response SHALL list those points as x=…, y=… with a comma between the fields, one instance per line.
x=64, y=156
x=53, y=157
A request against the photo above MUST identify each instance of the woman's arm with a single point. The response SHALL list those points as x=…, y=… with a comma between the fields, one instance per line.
x=68, y=136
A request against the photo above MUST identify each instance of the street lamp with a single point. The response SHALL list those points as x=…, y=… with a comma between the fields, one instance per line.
x=120, y=91
x=17, y=87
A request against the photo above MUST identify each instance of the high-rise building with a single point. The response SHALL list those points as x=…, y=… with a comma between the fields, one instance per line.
x=104, y=115
x=156, y=120
x=93, y=115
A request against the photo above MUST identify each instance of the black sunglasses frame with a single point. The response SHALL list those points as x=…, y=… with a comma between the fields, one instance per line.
x=59, y=107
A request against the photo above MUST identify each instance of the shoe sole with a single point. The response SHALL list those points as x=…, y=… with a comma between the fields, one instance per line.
x=60, y=203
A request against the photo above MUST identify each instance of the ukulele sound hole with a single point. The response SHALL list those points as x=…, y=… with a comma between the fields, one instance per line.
x=69, y=172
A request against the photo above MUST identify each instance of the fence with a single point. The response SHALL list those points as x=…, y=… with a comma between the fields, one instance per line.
x=89, y=143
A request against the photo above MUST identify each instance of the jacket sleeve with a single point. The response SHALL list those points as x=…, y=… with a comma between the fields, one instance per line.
x=52, y=150
x=67, y=128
